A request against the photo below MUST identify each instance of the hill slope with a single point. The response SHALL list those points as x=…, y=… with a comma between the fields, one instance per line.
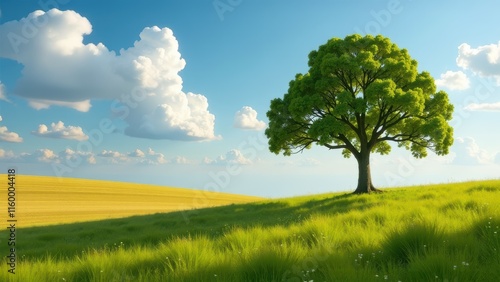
x=429, y=233
x=49, y=200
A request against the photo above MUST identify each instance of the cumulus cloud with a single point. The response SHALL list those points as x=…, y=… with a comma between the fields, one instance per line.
x=142, y=81
x=6, y=155
x=113, y=157
x=232, y=157
x=41, y=104
x=137, y=154
x=71, y=156
x=48, y=156
x=484, y=60
x=2, y=92
x=136, y=157
x=59, y=131
x=453, y=80
x=154, y=158
x=246, y=118
x=110, y=154
x=182, y=160
x=483, y=107
x=44, y=156
x=468, y=152
x=9, y=136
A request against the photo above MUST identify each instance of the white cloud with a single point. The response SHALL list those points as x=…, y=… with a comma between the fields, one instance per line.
x=59, y=131
x=143, y=80
x=182, y=160
x=232, y=157
x=453, y=80
x=6, y=154
x=154, y=158
x=44, y=155
x=75, y=157
x=91, y=159
x=137, y=154
x=2, y=92
x=41, y=104
x=151, y=157
x=113, y=157
x=110, y=154
x=484, y=60
x=246, y=118
x=180, y=117
x=468, y=152
x=9, y=136
x=48, y=156
x=484, y=107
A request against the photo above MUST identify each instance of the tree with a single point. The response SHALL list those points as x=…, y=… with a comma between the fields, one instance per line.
x=359, y=94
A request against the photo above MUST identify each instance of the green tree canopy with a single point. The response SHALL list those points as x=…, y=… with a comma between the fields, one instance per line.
x=359, y=94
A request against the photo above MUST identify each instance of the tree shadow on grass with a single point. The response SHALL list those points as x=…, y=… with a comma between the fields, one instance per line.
x=149, y=230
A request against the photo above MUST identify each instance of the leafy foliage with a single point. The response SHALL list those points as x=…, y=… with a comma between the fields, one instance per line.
x=360, y=93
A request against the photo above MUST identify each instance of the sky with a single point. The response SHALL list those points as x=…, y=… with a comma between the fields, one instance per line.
x=176, y=92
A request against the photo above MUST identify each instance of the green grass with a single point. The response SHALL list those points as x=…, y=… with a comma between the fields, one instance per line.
x=430, y=233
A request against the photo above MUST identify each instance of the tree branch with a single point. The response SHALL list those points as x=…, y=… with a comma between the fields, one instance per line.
x=333, y=147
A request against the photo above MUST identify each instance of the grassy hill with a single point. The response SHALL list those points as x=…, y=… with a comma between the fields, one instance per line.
x=430, y=233
x=49, y=200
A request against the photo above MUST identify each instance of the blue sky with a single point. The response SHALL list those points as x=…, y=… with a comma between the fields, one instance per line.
x=176, y=92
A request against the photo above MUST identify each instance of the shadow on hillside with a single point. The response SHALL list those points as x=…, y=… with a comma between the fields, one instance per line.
x=152, y=229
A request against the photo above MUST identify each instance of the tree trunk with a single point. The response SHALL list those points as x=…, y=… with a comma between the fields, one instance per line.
x=364, y=177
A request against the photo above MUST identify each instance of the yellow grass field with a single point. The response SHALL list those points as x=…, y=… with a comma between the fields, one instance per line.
x=42, y=200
